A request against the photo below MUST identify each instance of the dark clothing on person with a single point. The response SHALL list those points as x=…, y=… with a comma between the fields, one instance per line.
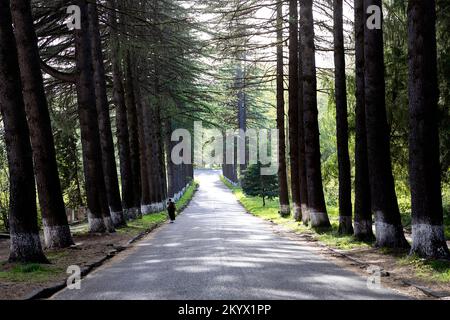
x=171, y=210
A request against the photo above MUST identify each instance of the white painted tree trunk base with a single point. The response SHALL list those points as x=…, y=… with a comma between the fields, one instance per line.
x=109, y=224
x=56, y=236
x=297, y=212
x=26, y=247
x=96, y=225
x=131, y=213
x=118, y=218
x=285, y=210
x=429, y=241
x=390, y=236
x=231, y=182
x=305, y=214
x=146, y=209
x=363, y=229
x=318, y=219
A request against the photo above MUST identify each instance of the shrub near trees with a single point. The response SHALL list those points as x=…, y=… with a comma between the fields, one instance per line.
x=257, y=185
x=387, y=67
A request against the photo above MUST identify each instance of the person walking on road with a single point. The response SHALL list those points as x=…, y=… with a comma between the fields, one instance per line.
x=171, y=209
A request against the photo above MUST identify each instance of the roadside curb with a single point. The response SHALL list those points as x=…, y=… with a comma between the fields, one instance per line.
x=427, y=291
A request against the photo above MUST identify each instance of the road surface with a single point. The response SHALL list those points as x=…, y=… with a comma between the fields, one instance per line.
x=217, y=251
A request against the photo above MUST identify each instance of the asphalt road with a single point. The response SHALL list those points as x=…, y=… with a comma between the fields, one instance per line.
x=217, y=251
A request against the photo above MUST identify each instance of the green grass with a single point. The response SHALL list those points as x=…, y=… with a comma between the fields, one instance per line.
x=148, y=221
x=30, y=272
x=188, y=195
x=436, y=270
x=447, y=221
x=56, y=254
x=330, y=237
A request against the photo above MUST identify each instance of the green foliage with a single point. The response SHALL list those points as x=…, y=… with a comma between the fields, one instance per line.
x=328, y=143
x=228, y=184
x=257, y=185
x=187, y=196
x=68, y=149
x=223, y=107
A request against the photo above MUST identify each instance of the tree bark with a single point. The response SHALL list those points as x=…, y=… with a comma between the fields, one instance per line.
x=99, y=216
x=282, y=170
x=170, y=165
x=293, y=110
x=56, y=229
x=242, y=112
x=363, y=212
x=161, y=158
x=104, y=122
x=157, y=174
x=123, y=142
x=151, y=168
x=345, y=182
x=316, y=200
x=301, y=135
x=133, y=129
x=427, y=213
x=25, y=245
x=389, y=230
x=143, y=146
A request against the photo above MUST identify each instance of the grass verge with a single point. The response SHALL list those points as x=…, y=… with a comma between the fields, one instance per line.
x=436, y=270
x=31, y=272
x=147, y=222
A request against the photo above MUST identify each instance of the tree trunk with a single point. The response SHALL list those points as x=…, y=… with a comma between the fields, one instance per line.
x=145, y=163
x=242, y=112
x=151, y=169
x=427, y=215
x=301, y=135
x=389, y=230
x=25, y=245
x=293, y=109
x=316, y=200
x=282, y=170
x=99, y=216
x=56, y=229
x=123, y=142
x=157, y=173
x=133, y=129
x=345, y=182
x=170, y=165
x=363, y=212
x=104, y=122
x=162, y=164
